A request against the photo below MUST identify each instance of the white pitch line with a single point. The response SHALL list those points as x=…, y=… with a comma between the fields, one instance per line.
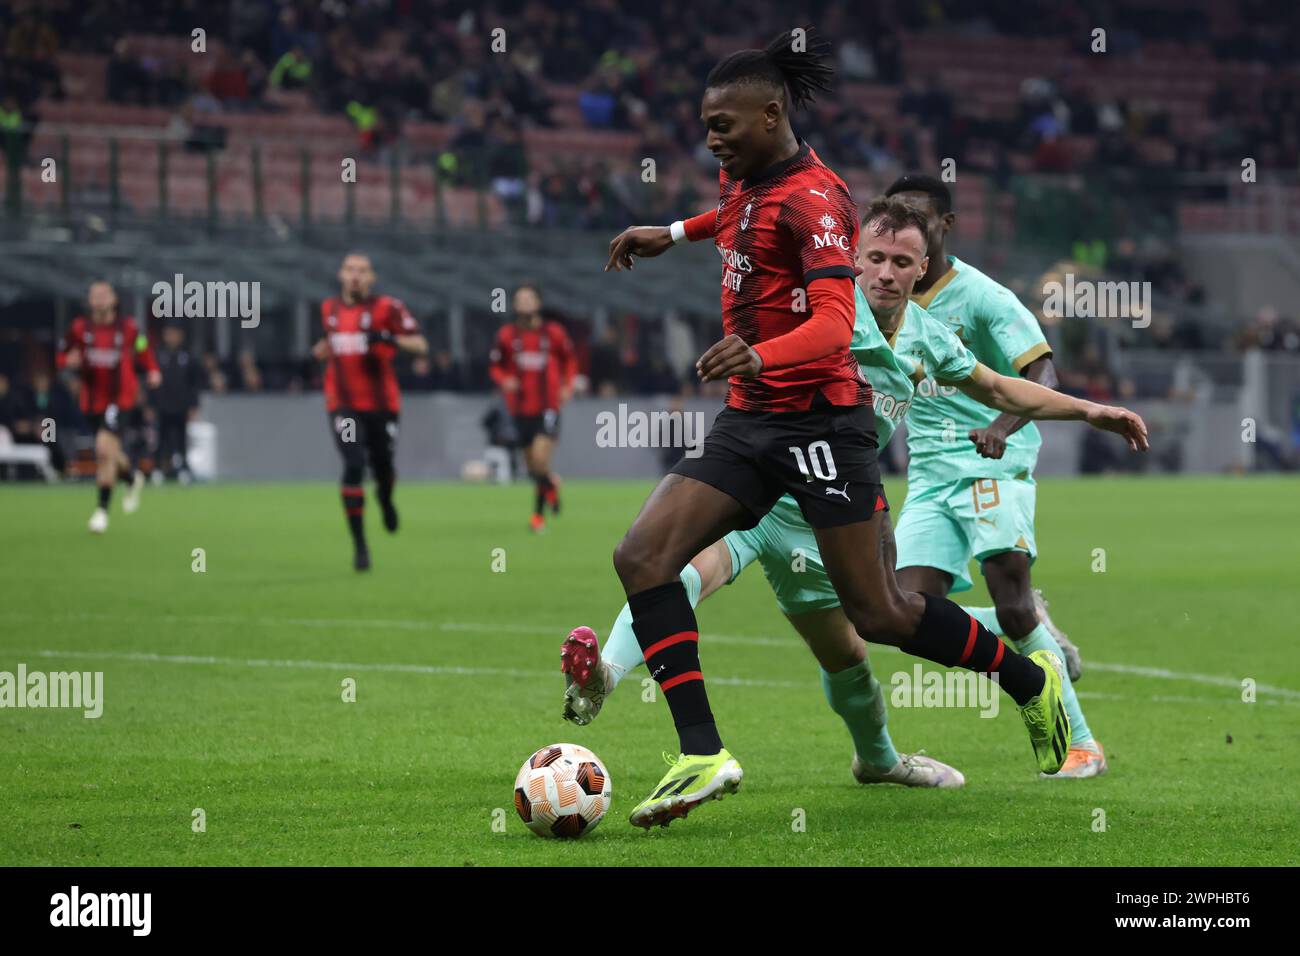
x=1181, y=699
x=1213, y=680
x=143, y=657
x=1157, y=673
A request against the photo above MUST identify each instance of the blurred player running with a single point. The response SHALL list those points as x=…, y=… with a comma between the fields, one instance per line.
x=363, y=334
x=898, y=344
x=533, y=364
x=104, y=350
x=976, y=500
x=798, y=420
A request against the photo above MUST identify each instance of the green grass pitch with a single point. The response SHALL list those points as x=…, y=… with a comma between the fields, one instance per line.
x=224, y=688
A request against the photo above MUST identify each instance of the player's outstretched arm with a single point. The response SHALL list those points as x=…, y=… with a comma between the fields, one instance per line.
x=1018, y=396
x=650, y=241
x=643, y=241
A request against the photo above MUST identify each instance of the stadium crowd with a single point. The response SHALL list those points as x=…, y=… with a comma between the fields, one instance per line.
x=386, y=64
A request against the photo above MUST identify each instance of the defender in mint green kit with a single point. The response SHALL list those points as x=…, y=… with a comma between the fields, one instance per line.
x=970, y=477
x=960, y=504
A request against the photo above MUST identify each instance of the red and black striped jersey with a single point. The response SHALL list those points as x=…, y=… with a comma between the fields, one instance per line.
x=359, y=375
x=791, y=224
x=109, y=352
x=540, y=360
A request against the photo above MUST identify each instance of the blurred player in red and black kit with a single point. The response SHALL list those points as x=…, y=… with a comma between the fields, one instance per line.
x=363, y=334
x=533, y=363
x=104, y=349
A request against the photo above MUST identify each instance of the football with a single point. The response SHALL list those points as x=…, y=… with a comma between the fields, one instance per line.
x=562, y=791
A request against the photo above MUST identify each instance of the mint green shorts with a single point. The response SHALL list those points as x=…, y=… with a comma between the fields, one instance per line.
x=787, y=549
x=945, y=526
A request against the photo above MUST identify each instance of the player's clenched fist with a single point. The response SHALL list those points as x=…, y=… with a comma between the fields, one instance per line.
x=643, y=241
x=989, y=442
x=729, y=357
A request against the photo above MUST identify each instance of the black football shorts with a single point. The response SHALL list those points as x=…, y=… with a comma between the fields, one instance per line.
x=528, y=427
x=825, y=458
x=119, y=421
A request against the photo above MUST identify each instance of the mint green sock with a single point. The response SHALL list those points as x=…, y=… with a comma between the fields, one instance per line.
x=1040, y=639
x=621, y=650
x=856, y=696
x=988, y=616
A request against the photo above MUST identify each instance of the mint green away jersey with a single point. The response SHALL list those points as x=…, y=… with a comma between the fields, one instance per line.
x=922, y=346
x=1003, y=335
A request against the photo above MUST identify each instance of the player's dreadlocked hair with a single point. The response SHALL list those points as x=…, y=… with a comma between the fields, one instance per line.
x=780, y=66
x=936, y=189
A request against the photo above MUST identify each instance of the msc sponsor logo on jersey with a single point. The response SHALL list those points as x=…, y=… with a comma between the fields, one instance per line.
x=349, y=343
x=827, y=238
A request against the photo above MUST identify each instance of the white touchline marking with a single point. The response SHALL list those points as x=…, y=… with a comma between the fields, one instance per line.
x=1181, y=699
x=1158, y=673
x=1161, y=673
x=145, y=657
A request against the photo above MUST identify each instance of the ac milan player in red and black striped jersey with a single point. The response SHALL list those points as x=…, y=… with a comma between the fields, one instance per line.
x=104, y=350
x=798, y=421
x=363, y=333
x=533, y=363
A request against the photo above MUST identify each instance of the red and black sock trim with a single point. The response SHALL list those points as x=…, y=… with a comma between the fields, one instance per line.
x=664, y=624
x=354, y=507
x=948, y=635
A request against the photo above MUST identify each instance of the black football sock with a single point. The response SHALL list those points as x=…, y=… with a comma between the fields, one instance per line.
x=664, y=624
x=354, y=507
x=105, y=495
x=948, y=635
x=384, y=492
x=540, y=483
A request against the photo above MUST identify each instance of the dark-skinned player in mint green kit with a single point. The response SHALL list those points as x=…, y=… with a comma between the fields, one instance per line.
x=798, y=420
x=970, y=484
